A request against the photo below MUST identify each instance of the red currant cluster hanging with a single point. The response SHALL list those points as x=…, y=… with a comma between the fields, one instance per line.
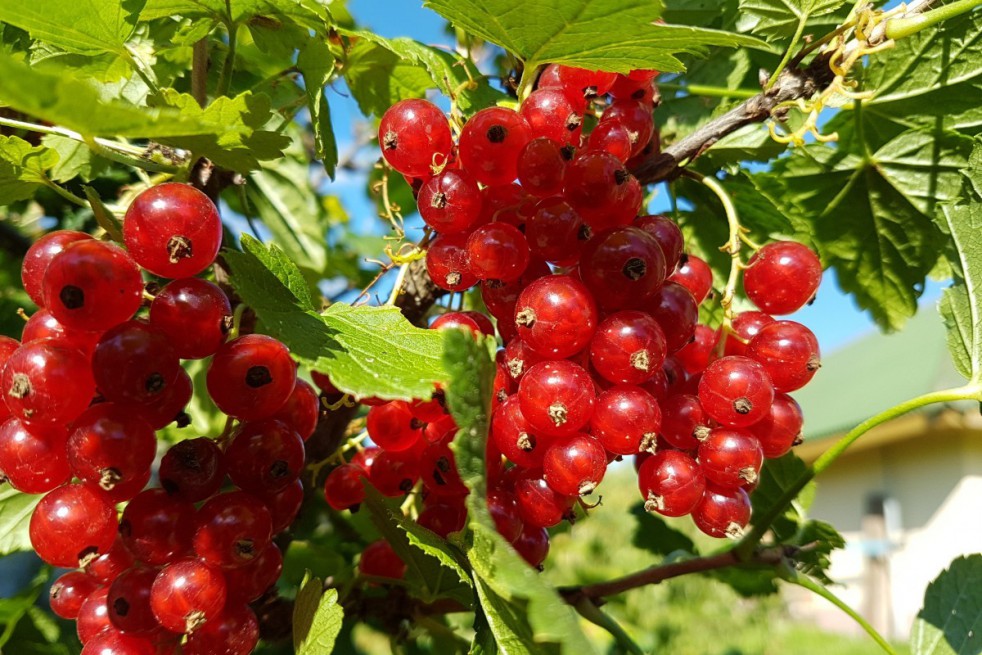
x=597, y=308
x=83, y=393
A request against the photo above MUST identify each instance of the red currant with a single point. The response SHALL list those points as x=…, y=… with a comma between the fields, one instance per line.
x=533, y=545
x=635, y=116
x=380, y=561
x=695, y=275
x=556, y=398
x=415, y=137
x=671, y=483
x=284, y=505
x=443, y=518
x=556, y=233
x=781, y=428
x=233, y=632
x=514, y=437
x=193, y=469
x=32, y=463
x=612, y=137
x=497, y=251
x=491, y=142
x=744, y=327
x=69, y=591
x=551, y=114
x=251, y=377
x=541, y=166
x=72, y=525
x=696, y=355
x=450, y=202
x=194, y=314
x=393, y=427
x=504, y=513
x=628, y=348
x=585, y=84
x=156, y=527
x=788, y=351
x=129, y=601
x=108, y=566
x=538, y=504
x=248, y=583
x=722, y=512
x=684, y=423
x=556, y=316
x=574, y=466
x=730, y=458
x=782, y=276
x=93, y=616
x=264, y=456
x=622, y=266
x=667, y=234
x=232, y=529
x=187, y=594
x=448, y=263
x=344, y=487
x=394, y=474
x=626, y=420
x=39, y=255
x=46, y=384
x=110, y=446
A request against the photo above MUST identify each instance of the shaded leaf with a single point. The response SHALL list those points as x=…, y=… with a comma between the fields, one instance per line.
x=950, y=623
x=470, y=367
x=317, y=618
x=316, y=64
x=655, y=535
x=776, y=477
x=15, y=517
x=782, y=17
x=23, y=168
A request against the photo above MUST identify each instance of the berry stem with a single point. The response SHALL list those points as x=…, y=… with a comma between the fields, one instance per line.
x=795, y=577
x=586, y=608
x=762, y=524
x=789, y=52
x=233, y=332
x=899, y=28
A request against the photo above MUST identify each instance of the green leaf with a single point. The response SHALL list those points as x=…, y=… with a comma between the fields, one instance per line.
x=282, y=267
x=316, y=64
x=872, y=215
x=507, y=624
x=379, y=78
x=950, y=623
x=310, y=13
x=432, y=571
x=613, y=35
x=317, y=618
x=961, y=304
x=75, y=159
x=655, y=535
x=470, y=367
x=55, y=95
x=22, y=168
x=15, y=517
x=80, y=26
x=821, y=538
x=237, y=140
x=776, y=477
x=366, y=351
x=780, y=17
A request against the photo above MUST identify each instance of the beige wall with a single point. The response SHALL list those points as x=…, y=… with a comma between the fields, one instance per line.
x=936, y=480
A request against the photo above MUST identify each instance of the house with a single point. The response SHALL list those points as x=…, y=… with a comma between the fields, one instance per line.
x=906, y=495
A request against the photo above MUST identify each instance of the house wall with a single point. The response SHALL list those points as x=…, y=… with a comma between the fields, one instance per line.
x=935, y=483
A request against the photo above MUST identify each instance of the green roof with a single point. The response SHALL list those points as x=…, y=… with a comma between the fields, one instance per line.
x=875, y=373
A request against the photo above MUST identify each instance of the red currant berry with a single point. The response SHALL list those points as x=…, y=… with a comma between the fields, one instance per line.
x=533, y=545
x=782, y=276
x=696, y=355
x=156, y=527
x=519, y=358
x=194, y=315
x=514, y=437
x=251, y=377
x=264, y=456
x=579, y=83
x=695, y=275
x=438, y=471
x=504, y=513
x=47, y=384
x=394, y=474
x=557, y=398
x=574, y=466
x=612, y=137
x=556, y=316
x=108, y=566
x=667, y=234
x=443, y=518
x=736, y=391
x=93, y=616
x=380, y=561
x=39, y=255
x=448, y=263
x=491, y=142
x=193, y=469
x=117, y=643
x=594, y=185
x=730, y=458
x=129, y=601
x=684, y=423
x=541, y=166
x=622, y=267
x=233, y=632
x=551, y=114
x=72, y=525
x=722, y=512
x=497, y=251
x=676, y=312
x=69, y=592
x=781, y=428
x=110, y=446
x=538, y=504
x=636, y=119
x=187, y=594
x=501, y=297
x=415, y=137
x=393, y=427
x=671, y=483
x=32, y=463
x=744, y=327
x=248, y=583
x=788, y=351
x=344, y=487
x=302, y=410
x=133, y=362
x=450, y=202
x=173, y=230
x=168, y=406
x=556, y=233
x=284, y=505
x=628, y=348
x=626, y=420
x=42, y=325
x=233, y=529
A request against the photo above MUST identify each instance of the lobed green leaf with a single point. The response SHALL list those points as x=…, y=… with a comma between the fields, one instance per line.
x=950, y=623
x=79, y=26
x=23, y=168
x=15, y=518
x=317, y=618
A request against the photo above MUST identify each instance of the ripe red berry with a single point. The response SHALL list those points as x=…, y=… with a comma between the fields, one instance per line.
x=156, y=527
x=39, y=255
x=108, y=566
x=782, y=276
x=302, y=409
x=556, y=316
x=788, y=351
x=671, y=483
x=491, y=142
x=117, y=643
x=193, y=314
x=538, y=504
x=501, y=297
x=450, y=202
x=438, y=471
x=626, y=420
x=415, y=137
x=552, y=115
x=575, y=466
x=443, y=518
x=168, y=406
x=745, y=327
x=722, y=512
x=579, y=83
x=736, y=391
x=47, y=384
x=684, y=423
x=110, y=446
x=173, y=230
x=676, y=311
x=394, y=474
x=556, y=398
x=69, y=591
x=781, y=428
x=448, y=263
x=380, y=561
x=393, y=427
x=129, y=602
x=504, y=513
x=595, y=185
x=42, y=325
x=695, y=275
x=612, y=137
x=92, y=285
x=541, y=166
x=251, y=377
x=233, y=632
x=284, y=505
x=32, y=462
x=72, y=525
x=556, y=233
x=344, y=487
x=187, y=594
x=497, y=251
x=628, y=348
x=667, y=234
x=264, y=456
x=93, y=616
x=730, y=458
x=622, y=267
x=247, y=583
x=514, y=436
x=192, y=469
x=465, y=320
x=635, y=117
x=533, y=545
x=696, y=355
x=232, y=529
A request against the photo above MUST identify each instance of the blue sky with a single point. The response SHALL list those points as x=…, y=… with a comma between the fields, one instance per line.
x=834, y=317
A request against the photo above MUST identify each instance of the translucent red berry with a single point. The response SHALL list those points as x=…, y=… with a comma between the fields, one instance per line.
x=192, y=469
x=552, y=115
x=789, y=353
x=156, y=527
x=556, y=316
x=415, y=136
x=232, y=529
x=556, y=233
x=39, y=255
x=448, y=263
x=393, y=427
x=187, y=594
x=194, y=315
x=233, y=632
x=129, y=601
x=443, y=518
x=32, y=462
x=490, y=144
x=504, y=513
x=110, y=446
x=249, y=582
x=556, y=397
x=582, y=83
x=722, y=512
x=730, y=458
x=69, y=591
x=744, y=327
x=736, y=391
x=497, y=251
x=46, y=384
x=344, y=486
x=668, y=235
x=574, y=466
x=628, y=348
x=635, y=117
x=541, y=167
x=394, y=474
x=626, y=420
x=782, y=276
x=533, y=545
x=671, y=483
x=380, y=561
x=695, y=275
x=781, y=428
x=72, y=525
x=538, y=504
x=251, y=377
x=264, y=456
x=450, y=202
x=684, y=423
x=42, y=325
x=622, y=267
x=696, y=355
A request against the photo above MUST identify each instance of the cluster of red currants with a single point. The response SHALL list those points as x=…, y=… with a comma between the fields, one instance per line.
x=597, y=307
x=83, y=392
